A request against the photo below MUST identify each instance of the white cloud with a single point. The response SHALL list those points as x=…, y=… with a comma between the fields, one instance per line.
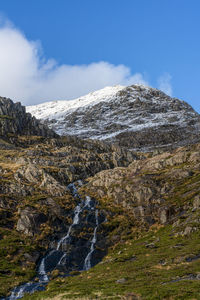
x=26, y=76
x=164, y=83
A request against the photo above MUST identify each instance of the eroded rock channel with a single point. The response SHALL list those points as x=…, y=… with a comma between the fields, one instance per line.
x=77, y=250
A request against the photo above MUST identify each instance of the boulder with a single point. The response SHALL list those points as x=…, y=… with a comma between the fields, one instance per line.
x=30, y=220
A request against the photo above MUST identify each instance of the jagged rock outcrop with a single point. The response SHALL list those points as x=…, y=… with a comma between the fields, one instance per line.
x=34, y=177
x=137, y=117
x=150, y=189
x=132, y=196
x=15, y=121
x=30, y=221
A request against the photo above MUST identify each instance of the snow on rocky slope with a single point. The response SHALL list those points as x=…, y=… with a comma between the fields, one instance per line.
x=136, y=116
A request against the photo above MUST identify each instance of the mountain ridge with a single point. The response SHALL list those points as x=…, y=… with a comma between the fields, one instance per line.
x=138, y=117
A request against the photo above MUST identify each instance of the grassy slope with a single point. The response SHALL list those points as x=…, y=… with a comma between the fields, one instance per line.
x=12, y=249
x=141, y=267
x=154, y=264
x=148, y=260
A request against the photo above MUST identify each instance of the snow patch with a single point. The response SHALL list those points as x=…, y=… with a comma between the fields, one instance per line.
x=122, y=109
x=58, y=109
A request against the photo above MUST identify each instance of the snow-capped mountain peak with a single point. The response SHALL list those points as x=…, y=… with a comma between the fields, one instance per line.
x=136, y=116
x=58, y=109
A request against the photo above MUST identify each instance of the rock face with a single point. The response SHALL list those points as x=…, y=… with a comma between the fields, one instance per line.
x=137, y=117
x=131, y=195
x=154, y=190
x=38, y=208
x=15, y=121
x=30, y=221
x=34, y=179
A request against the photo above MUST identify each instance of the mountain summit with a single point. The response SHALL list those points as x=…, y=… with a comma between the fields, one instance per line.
x=137, y=117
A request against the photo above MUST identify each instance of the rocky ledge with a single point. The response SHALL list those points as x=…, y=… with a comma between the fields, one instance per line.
x=15, y=121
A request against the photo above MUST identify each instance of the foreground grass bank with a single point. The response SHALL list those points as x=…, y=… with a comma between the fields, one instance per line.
x=159, y=265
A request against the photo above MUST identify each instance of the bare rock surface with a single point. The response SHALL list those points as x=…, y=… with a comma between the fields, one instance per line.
x=14, y=121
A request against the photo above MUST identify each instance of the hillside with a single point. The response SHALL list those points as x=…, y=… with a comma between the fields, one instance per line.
x=35, y=201
x=148, y=210
x=138, y=117
x=85, y=219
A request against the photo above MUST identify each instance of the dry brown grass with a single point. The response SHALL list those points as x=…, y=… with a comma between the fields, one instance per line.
x=98, y=295
x=64, y=297
x=10, y=166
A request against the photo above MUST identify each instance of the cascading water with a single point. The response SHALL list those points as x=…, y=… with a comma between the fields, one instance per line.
x=87, y=202
x=62, y=258
x=59, y=257
x=77, y=212
x=43, y=277
x=87, y=263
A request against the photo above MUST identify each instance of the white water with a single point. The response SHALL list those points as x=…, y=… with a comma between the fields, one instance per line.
x=87, y=202
x=43, y=269
x=87, y=263
x=78, y=209
x=20, y=293
x=29, y=287
x=77, y=212
x=62, y=257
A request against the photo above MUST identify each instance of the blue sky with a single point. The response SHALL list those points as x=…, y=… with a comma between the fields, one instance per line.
x=156, y=41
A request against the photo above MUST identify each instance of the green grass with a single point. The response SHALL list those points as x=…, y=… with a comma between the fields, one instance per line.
x=6, y=117
x=12, y=250
x=142, y=269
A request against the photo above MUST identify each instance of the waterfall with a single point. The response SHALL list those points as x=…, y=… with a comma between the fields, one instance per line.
x=56, y=258
x=19, y=293
x=87, y=263
x=87, y=202
x=77, y=212
x=29, y=287
x=62, y=257
x=78, y=209
x=41, y=270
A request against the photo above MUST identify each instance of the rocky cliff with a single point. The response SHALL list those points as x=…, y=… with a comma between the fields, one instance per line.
x=153, y=210
x=137, y=117
x=15, y=121
x=37, y=207
x=143, y=218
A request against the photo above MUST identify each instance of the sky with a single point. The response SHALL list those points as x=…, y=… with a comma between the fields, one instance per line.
x=54, y=50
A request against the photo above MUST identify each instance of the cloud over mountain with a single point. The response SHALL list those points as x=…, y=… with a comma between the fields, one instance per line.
x=164, y=83
x=26, y=75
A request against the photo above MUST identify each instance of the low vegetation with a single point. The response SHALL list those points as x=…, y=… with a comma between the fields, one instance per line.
x=152, y=210
x=158, y=265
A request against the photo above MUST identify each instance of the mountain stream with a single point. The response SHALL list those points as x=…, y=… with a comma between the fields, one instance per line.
x=59, y=257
